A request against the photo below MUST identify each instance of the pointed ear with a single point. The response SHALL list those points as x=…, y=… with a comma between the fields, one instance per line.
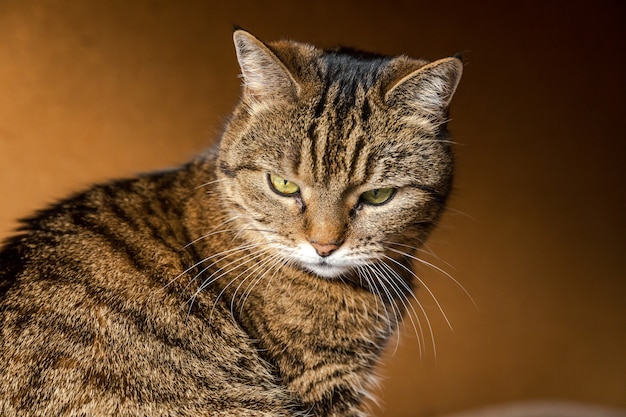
x=265, y=77
x=428, y=89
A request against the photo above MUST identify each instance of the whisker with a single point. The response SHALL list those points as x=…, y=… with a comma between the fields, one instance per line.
x=436, y=268
x=251, y=255
x=206, y=184
x=447, y=141
x=431, y=252
x=462, y=213
x=394, y=307
x=212, y=231
x=371, y=281
x=361, y=273
x=274, y=260
x=238, y=248
x=413, y=248
x=280, y=260
x=427, y=289
x=211, y=279
x=248, y=228
x=250, y=274
x=208, y=281
x=419, y=334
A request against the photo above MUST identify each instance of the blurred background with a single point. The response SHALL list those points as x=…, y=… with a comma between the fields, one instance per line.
x=535, y=231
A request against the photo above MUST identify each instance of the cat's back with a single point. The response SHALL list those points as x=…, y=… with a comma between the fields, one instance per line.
x=113, y=228
x=92, y=319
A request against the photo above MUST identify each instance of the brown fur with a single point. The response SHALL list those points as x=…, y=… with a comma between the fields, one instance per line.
x=198, y=291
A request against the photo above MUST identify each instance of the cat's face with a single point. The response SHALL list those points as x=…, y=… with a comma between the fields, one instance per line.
x=335, y=161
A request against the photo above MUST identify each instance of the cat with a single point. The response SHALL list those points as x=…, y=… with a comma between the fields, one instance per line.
x=264, y=277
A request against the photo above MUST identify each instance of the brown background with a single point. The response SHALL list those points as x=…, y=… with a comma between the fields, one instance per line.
x=94, y=90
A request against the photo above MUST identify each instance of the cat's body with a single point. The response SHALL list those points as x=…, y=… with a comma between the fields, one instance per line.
x=221, y=287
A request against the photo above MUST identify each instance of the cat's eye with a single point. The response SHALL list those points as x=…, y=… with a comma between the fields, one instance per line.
x=378, y=196
x=283, y=186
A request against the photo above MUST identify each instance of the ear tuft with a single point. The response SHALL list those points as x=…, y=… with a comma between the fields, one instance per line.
x=265, y=77
x=428, y=89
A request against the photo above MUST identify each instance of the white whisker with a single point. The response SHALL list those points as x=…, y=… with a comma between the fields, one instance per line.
x=212, y=278
x=212, y=231
x=427, y=289
x=419, y=331
x=274, y=260
x=436, y=268
x=397, y=314
x=371, y=280
x=206, y=184
x=238, y=248
x=259, y=266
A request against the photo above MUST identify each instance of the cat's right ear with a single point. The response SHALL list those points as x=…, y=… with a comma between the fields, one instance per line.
x=265, y=77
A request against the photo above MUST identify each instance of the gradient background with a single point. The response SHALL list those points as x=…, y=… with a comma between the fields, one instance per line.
x=536, y=230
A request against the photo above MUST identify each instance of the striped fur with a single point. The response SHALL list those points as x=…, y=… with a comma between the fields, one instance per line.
x=199, y=291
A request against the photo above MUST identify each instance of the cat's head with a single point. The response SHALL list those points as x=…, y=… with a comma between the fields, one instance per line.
x=334, y=157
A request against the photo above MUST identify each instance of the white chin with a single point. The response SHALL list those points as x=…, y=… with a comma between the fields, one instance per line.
x=325, y=270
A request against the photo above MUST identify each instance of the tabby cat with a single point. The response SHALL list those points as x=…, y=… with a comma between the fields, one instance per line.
x=261, y=279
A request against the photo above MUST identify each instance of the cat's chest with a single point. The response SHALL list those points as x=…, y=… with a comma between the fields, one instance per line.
x=321, y=337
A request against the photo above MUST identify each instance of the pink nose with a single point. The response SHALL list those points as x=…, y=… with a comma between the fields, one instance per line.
x=324, y=250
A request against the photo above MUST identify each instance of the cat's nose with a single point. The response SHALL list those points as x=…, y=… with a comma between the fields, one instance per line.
x=324, y=249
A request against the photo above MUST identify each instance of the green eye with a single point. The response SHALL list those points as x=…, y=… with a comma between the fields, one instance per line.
x=378, y=196
x=283, y=186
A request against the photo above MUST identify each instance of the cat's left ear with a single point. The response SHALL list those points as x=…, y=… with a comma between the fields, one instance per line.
x=265, y=77
x=428, y=89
